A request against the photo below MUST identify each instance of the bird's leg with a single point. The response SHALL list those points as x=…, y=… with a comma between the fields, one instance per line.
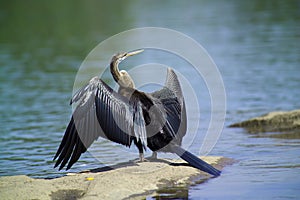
x=142, y=157
x=154, y=156
x=141, y=151
x=141, y=154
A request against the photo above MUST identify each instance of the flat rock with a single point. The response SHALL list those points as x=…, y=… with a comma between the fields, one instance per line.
x=126, y=180
x=284, y=121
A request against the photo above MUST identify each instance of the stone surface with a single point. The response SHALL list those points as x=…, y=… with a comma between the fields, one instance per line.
x=285, y=122
x=126, y=180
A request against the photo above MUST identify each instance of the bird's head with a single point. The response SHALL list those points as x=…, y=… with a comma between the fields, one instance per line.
x=122, y=77
x=119, y=57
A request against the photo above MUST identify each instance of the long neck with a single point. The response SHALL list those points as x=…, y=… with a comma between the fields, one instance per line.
x=114, y=70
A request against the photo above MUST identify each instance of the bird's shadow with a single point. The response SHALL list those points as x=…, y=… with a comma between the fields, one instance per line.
x=131, y=163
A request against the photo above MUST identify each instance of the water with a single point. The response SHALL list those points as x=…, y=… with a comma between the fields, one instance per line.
x=255, y=45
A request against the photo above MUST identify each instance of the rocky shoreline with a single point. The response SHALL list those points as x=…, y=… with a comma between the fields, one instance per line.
x=279, y=124
x=123, y=181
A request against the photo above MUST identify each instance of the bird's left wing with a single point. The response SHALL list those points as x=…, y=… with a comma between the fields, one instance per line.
x=171, y=97
x=100, y=111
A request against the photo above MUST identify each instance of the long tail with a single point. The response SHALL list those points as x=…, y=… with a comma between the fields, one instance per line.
x=195, y=161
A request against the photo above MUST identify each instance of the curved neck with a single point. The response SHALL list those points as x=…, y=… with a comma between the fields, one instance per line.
x=114, y=70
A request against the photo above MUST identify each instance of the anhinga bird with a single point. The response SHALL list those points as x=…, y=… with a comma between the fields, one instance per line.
x=155, y=120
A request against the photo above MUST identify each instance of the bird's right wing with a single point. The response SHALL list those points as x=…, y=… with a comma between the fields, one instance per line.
x=100, y=111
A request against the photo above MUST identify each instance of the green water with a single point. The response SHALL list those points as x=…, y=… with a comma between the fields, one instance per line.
x=255, y=44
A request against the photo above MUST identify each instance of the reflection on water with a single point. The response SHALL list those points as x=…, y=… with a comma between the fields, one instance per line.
x=255, y=44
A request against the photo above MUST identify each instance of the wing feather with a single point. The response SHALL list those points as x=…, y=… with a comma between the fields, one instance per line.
x=139, y=124
x=99, y=112
x=172, y=99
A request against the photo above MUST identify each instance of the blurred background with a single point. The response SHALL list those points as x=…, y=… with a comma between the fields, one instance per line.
x=255, y=45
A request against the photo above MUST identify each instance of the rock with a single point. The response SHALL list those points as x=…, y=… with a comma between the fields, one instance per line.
x=273, y=122
x=116, y=182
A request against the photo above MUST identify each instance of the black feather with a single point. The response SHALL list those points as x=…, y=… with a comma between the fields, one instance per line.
x=195, y=161
x=64, y=140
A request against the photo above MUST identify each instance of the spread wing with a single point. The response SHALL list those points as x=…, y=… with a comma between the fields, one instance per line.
x=100, y=112
x=171, y=97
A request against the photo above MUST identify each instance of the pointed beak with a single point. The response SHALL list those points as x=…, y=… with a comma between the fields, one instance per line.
x=132, y=53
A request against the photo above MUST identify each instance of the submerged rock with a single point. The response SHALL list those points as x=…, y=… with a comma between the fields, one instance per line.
x=285, y=122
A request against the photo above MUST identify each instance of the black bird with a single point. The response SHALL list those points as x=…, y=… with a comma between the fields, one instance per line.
x=155, y=120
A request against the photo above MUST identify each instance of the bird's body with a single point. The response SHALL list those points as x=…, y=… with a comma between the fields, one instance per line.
x=155, y=120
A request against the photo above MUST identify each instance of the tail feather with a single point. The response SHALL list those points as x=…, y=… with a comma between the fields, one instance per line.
x=195, y=161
